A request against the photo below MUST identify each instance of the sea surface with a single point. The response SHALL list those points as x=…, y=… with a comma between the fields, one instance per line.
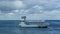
x=12, y=27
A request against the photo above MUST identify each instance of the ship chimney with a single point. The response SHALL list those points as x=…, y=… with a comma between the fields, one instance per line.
x=24, y=18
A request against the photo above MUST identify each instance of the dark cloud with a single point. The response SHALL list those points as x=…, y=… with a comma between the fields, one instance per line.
x=6, y=9
x=9, y=5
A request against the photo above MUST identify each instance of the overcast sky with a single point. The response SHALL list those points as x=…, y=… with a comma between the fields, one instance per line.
x=33, y=9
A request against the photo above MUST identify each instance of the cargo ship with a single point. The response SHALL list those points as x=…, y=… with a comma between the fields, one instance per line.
x=23, y=23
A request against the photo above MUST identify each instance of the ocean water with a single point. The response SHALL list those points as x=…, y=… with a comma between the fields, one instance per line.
x=12, y=27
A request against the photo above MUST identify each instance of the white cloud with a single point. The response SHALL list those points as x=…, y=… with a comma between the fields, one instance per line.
x=35, y=17
x=18, y=4
x=10, y=14
x=52, y=15
x=12, y=4
x=34, y=12
x=47, y=15
x=37, y=6
x=16, y=11
x=44, y=3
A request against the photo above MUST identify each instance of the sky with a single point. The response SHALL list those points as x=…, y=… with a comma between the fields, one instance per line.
x=32, y=9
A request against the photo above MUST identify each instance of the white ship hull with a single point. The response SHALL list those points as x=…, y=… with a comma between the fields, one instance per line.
x=24, y=24
x=37, y=26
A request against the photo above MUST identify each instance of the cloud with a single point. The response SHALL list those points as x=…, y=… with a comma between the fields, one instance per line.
x=10, y=14
x=47, y=4
x=0, y=12
x=7, y=6
x=52, y=15
x=9, y=0
x=47, y=15
x=19, y=4
x=33, y=9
